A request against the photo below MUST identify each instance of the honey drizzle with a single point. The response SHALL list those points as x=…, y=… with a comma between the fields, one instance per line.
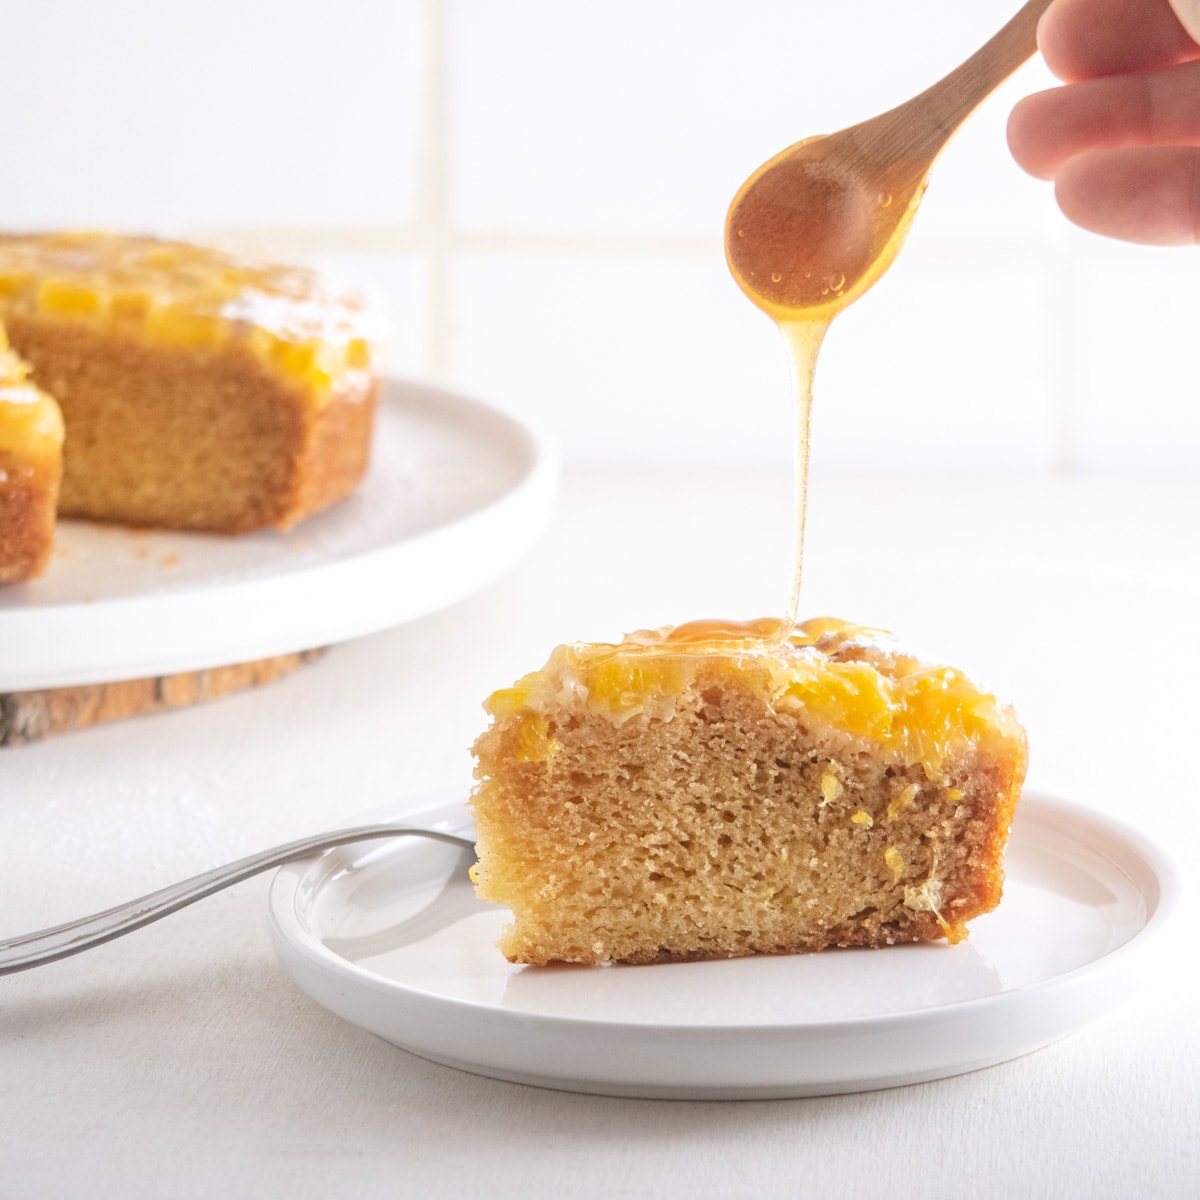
x=804, y=238
x=803, y=341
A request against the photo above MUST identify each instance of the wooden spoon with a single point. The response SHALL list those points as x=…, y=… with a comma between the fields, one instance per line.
x=817, y=225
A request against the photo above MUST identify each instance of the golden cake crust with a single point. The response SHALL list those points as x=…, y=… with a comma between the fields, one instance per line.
x=27, y=497
x=718, y=790
x=31, y=436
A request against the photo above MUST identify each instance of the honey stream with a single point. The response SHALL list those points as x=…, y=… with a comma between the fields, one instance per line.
x=817, y=225
x=804, y=239
x=803, y=340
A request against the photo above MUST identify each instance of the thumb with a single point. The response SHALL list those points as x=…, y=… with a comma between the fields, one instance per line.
x=1188, y=12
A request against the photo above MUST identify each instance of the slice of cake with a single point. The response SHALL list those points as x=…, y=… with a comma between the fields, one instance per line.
x=31, y=442
x=199, y=390
x=721, y=789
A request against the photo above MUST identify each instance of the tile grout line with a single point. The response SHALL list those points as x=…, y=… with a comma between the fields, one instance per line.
x=415, y=237
x=432, y=228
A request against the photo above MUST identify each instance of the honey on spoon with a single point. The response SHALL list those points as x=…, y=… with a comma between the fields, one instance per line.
x=814, y=227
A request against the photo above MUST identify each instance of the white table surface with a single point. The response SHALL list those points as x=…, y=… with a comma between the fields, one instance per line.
x=181, y=1060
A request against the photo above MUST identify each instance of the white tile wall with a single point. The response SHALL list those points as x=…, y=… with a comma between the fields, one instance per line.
x=677, y=365
x=398, y=284
x=231, y=112
x=1136, y=352
x=536, y=189
x=952, y=360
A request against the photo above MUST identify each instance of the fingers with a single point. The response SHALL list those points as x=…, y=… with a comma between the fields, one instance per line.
x=1149, y=195
x=1050, y=128
x=1086, y=39
x=1188, y=12
x=1122, y=139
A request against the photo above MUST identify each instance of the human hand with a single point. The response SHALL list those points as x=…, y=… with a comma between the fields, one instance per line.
x=1121, y=139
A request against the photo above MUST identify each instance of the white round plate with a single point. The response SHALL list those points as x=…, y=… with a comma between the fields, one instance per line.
x=391, y=937
x=455, y=493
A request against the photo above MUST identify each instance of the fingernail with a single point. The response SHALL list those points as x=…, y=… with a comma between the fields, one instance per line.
x=1188, y=12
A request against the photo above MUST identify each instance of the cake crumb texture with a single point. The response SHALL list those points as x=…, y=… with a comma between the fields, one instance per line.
x=721, y=790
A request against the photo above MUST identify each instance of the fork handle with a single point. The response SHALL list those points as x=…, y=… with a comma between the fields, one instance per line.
x=73, y=937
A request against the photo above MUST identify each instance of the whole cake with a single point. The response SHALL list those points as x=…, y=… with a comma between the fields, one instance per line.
x=724, y=789
x=31, y=439
x=199, y=390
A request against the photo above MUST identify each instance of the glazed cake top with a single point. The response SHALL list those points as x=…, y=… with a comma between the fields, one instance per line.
x=850, y=677
x=177, y=294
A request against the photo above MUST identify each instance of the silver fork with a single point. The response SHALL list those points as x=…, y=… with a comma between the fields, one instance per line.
x=72, y=937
